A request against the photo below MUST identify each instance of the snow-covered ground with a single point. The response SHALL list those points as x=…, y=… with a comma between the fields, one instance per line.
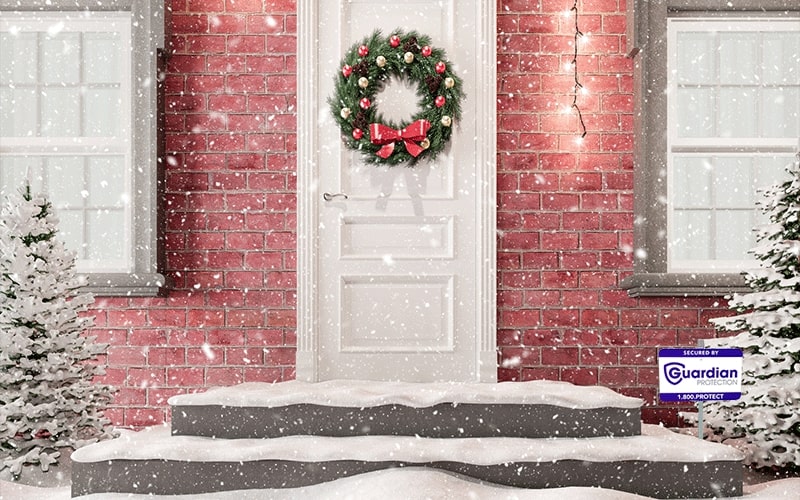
x=405, y=484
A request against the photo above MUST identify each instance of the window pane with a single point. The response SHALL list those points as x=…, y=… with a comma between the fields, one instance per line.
x=19, y=112
x=70, y=230
x=738, y=79
x=698, y=67
x=15, y=169
x=691, y=235
x=60, y=61
x=18, y=58
x=87, y=193
x=738, y=58
x=107, y=182
x=106, y=231
x=61, y=112
x=771, y=170
x=740, y=222
x=695, y=112
x=781, y=55
x=64, y=178
x=102, y=108
x=737, y=112
x=780, y=112
x=102, y=65
x=692, y=182
x=733, y=182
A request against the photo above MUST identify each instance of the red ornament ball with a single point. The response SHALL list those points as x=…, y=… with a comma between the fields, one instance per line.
x=347, y=70
x=440, y=67
x=358, y=134
x=363, y=51
x=394, y=41
x=439, y=101
x=427, y=50
x=364, y=103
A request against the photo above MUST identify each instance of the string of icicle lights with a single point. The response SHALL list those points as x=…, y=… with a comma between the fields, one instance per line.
x=578, y=86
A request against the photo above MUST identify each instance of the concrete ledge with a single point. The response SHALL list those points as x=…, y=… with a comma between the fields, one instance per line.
x=438, y=421
x=166, y=477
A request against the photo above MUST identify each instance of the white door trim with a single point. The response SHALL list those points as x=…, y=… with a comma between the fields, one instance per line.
x=308, y=164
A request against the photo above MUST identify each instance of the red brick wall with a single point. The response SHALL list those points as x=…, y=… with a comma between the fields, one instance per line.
x=564, y=212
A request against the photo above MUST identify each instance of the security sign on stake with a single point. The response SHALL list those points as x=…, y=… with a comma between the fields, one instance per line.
x=699, y=374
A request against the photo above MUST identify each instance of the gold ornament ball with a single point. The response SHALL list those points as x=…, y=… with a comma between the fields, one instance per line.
x=345, y=113
x=447, y=121
x=380, y=61
x=363, y=82
x=449, y=82
x=425, y=144
x=408, y=57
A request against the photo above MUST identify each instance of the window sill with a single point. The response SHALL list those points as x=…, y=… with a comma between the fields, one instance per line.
x=683, y=285
x=126, y=285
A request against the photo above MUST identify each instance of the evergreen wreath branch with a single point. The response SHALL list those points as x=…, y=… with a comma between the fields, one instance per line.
x=367, y=67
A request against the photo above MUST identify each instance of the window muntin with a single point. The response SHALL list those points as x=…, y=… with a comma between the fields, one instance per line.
x=65, y=91
x=733, y=124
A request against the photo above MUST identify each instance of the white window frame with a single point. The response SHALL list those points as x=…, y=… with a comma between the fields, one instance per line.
x=647, y=43
x=715, y=146
x=84, y=146
x=140, y=274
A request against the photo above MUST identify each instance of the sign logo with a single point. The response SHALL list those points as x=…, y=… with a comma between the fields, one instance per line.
x=699, y=374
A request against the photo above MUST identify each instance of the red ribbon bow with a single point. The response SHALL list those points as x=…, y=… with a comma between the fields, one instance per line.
x=387, y=136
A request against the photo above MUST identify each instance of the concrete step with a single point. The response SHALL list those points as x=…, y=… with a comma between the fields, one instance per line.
x=343, y=408
x=657, y=463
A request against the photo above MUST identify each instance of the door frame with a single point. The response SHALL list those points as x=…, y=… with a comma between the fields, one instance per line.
x=308, y=196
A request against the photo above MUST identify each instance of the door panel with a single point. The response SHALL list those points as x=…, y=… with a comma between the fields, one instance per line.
x=396, y=280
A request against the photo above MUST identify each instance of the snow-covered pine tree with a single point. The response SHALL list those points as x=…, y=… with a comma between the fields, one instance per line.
x=765, y=422
x=48, y=399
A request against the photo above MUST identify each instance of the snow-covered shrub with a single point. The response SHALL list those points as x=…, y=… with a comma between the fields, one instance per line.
x=48, y=398
x=765, y=422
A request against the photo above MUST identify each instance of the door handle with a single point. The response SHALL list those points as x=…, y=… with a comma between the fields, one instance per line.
x=333, y=196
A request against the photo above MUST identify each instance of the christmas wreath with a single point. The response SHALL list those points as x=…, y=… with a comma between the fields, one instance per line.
x=364, y=71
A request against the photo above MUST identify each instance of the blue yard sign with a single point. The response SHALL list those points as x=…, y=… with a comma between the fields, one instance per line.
x=699, y=374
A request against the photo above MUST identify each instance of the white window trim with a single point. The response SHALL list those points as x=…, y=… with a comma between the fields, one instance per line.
x=94, y=22
x=148, y=37
x=717, y=146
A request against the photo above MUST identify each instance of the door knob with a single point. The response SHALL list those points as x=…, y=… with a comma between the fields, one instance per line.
x=332, y=196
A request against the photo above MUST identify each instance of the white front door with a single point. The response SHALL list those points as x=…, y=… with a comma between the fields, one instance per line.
x=397, y=281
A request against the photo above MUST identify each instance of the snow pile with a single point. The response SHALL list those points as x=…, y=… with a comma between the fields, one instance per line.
x=765, y=422
x=47, y=397
x=396, y=484
x=655, y=444
x=367, y=394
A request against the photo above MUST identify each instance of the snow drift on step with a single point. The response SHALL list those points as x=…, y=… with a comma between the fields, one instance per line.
x=364, y=394
x=655, y=444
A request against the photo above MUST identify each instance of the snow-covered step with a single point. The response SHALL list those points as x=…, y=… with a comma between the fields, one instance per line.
x=658, y=463
x=439, y=410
